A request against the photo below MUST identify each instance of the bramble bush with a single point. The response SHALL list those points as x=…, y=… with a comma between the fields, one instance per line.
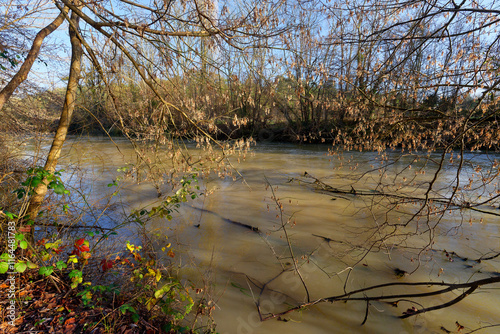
x=156, y=293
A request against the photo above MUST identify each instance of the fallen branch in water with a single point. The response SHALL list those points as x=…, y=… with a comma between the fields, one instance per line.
x=329, y=239
x=356, y=192
x=250, y=227
x=478, y=260
x=230, y=221
x=483, y=327
x=349, y=296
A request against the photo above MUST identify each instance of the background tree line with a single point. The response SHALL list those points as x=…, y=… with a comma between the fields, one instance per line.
x=367, y=74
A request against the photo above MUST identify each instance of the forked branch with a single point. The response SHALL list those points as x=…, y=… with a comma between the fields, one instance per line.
x=352, y=295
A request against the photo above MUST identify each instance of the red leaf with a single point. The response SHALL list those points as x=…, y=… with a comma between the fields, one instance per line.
x=25, y=228
x=79, y=242
x=69, y=326
x=107, y=264
x=84, y=248
x=127, y=262
x=41, y=242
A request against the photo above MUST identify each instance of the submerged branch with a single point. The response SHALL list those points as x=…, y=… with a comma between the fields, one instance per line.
x=449, y=287
x=444, y=201
x=230, y=221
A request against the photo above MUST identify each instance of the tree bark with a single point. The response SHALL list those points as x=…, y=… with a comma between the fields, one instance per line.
x=25, y=69
x=64, y=120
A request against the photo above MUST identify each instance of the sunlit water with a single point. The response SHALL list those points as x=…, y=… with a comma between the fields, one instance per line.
x=232, y=263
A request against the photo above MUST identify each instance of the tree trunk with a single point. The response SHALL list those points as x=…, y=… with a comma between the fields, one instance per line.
x=64, y=120
x=23, y=72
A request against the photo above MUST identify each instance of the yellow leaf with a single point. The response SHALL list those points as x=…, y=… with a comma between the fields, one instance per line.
x=150, y=304
x=130, y=247
x=158, y=275
x=72, y=259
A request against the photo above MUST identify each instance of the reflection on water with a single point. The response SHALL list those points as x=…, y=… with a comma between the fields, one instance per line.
x=329, y=233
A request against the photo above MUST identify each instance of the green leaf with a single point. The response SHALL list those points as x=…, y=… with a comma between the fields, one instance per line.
x=53, y=245
x=46, y=271
x=61, y=265
x=32, y=265
x=4, y=267
x=20, y=267
x=59, y=188
x=126, y=307
x=5, y=257
x=160, y=292
x=35, y=181
x=19, y=236
x=135, y=317
x=23, y=244
x=113, y=184
x=75, y=273
x=20, y=193
x=76, y=278
x=10, y=215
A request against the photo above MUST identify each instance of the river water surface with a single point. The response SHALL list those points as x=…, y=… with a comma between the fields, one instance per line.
x=231, y=240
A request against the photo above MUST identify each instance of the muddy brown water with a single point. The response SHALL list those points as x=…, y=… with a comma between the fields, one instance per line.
x=329, y=235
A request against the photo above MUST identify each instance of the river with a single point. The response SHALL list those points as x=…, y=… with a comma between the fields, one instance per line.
x=231, y=240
